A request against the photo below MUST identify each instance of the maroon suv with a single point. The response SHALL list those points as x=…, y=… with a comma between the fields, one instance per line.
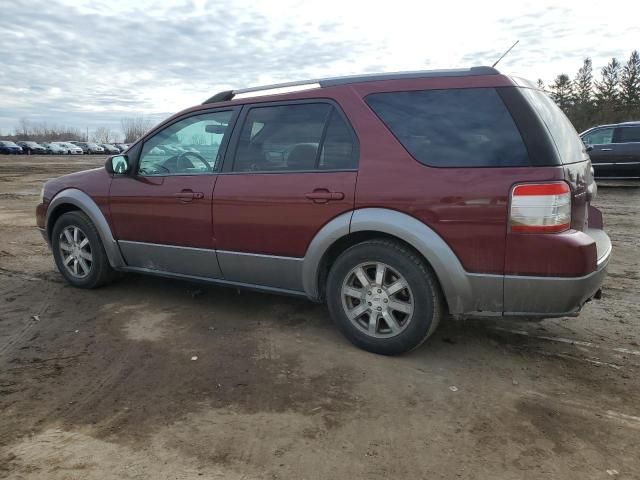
x=395, y=198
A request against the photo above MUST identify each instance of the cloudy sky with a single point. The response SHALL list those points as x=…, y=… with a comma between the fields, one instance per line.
x=91, y=63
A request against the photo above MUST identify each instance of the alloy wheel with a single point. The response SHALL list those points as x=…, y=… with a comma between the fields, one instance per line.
x=377, y=299
x=75, y=251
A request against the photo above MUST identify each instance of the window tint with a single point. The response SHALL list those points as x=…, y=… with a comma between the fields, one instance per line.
x=599, y=137
x=338, y=149
x=570, y=147
x=281, y=138
x=452, y=128
x=628, y=134
x=187, y=147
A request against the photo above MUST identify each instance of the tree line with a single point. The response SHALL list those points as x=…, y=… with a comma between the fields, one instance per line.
x=131, y=128
x=612, y=98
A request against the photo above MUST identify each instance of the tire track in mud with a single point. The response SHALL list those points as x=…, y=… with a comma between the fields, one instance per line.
x=30, y=315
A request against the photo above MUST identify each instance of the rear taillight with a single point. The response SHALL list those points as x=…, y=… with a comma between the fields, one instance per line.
x=540, y=208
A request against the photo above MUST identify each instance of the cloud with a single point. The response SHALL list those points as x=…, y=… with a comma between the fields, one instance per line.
x=71, y=65
x=92, y=62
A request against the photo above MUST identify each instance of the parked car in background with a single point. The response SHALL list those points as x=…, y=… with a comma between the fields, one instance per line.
x=32, y=147
x=89, y=147
x=110, y=149
x=7, y=146
x=70, y=148
x=473, y=198
x=121, y=146
x=614, y=150
x=53, y=148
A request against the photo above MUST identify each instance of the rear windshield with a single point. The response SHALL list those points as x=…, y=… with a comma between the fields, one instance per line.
x=567, y=141
x=452, y=128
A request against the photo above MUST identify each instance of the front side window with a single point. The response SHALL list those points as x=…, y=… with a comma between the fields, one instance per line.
x=627, y=134
x=452, y=128
x=599, y=137
x=297, y=137
x=188, y=147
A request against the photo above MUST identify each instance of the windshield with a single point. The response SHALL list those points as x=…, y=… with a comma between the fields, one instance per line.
x=567, y=141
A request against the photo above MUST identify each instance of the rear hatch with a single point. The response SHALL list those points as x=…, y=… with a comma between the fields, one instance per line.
x=572, y=153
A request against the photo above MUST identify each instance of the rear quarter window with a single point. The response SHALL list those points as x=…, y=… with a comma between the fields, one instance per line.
x=452, y=128
x=567, y=141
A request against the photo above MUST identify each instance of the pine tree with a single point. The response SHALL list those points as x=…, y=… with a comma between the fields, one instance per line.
x=540, y=84
x=583, y=109
x=562, y=92
x=607, y=90
x=630, y=84
x=584, y=83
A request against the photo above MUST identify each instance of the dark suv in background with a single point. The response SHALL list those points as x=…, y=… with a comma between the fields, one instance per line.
x=395, y=198
x=614, y=150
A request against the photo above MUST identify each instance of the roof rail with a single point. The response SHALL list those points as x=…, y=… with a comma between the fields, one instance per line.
x=220, y=97
x=333, y=81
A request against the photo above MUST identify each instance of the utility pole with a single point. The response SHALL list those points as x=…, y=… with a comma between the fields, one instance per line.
x=87, y=136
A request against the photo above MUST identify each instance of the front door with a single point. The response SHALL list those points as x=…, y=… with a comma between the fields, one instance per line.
x=603, y=151
x=161, y=213
x=294, y=170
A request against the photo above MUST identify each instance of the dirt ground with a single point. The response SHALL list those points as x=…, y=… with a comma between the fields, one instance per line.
x=152, y=378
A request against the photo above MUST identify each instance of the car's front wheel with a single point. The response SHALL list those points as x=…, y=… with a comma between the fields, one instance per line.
x=78, y=251
x=383, y=297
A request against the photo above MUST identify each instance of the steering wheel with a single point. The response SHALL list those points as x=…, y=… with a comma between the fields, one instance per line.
x=183, y=156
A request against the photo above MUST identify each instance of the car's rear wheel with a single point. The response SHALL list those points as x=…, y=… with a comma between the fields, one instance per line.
x=78, y=251
x=383, y=297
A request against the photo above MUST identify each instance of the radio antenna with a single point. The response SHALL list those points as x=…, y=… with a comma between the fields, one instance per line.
x=505, y=53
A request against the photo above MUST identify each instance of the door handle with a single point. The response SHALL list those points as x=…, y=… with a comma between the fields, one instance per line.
x=188, y=195
x=606, y=149
x=322, y=195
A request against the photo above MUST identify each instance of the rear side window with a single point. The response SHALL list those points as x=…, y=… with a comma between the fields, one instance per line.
x=627, y=134
x=452, y=128
x=296, y=137
x=338, y=149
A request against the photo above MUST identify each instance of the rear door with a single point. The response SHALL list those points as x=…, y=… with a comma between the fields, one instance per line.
x=293, y=170
x=626, y=140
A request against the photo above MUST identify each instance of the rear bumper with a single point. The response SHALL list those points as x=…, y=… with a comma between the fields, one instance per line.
x=537, y=296
x=556, y=296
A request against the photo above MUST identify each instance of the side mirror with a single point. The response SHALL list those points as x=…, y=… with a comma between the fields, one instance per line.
x=588, y=148
x=117, y=165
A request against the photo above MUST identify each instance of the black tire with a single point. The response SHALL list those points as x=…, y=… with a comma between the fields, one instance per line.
x=100, y=272
x=425, y=296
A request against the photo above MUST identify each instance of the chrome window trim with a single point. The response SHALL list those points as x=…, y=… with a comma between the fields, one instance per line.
x=595, y=164
x=280, y=172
